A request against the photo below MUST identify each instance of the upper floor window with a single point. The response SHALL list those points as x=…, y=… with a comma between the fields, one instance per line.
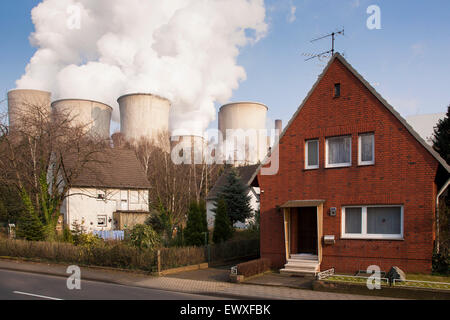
x=312, y=154
x=337, y=90
x=338, y=152
x=372, y=222
x=366, y=146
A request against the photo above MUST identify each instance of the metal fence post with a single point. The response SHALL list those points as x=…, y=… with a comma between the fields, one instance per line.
x=159, y=261
x=209, y=254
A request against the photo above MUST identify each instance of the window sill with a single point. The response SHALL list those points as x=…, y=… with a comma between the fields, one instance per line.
x=312, y=168
x=338, y=166
x=366, y=164
x=390, y=238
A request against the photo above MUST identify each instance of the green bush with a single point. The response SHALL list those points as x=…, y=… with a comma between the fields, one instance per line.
x=67, y=235
x=105, y=255
x=223, y=230
x=441, y=263
x=232, y=250
x=144, y=237
x=184, y=256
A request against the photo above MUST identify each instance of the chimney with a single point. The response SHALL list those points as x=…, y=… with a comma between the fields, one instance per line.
x=279, y=126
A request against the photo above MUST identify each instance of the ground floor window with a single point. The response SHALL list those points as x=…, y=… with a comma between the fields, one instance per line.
x=101, y=221
x=372, y=222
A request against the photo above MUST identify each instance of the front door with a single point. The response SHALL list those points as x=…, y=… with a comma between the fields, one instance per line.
x=307, y=230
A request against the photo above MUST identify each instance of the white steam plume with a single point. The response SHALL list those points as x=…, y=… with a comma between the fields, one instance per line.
x=184, y=50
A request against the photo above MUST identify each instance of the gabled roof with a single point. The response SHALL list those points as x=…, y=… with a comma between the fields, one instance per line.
x=377, y=95
x=245, y=173
x=113, y=168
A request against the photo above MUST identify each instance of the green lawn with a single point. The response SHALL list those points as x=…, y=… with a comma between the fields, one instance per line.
x=440, y=281
x=428, y=277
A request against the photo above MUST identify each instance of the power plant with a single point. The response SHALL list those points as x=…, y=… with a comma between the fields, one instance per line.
x=22, y=101
x=93, y=115
x=143, y=115
x=194, y=144
x=146, y=116
x=244, y=119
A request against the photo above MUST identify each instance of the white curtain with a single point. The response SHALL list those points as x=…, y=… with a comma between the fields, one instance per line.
x=384, y=220
x=367, y=148
x=339, y=150
x=313, y=147
x=353, y=220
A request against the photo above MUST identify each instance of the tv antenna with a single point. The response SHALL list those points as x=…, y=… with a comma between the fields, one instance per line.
x=333, y=36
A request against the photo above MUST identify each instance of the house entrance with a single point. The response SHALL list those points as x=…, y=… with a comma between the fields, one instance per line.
x=304, y=230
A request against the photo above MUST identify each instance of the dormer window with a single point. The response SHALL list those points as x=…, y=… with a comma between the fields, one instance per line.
x=337, y=90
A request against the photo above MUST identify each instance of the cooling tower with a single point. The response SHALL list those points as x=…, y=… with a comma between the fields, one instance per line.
x=22, y=101
x=193, y=144
x=248, y=119
x=143, y=116
x=94, y=115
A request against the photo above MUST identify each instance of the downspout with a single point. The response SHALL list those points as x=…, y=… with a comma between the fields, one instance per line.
x=437, y=213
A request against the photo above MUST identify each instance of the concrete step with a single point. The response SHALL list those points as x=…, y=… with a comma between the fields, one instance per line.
x=304, y=256
x=297, y=272
x=302, y=262
x=297, y=267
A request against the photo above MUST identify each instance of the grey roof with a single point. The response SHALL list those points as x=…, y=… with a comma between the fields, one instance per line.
x=377, y=95
x=245, y=173
x=114, y=168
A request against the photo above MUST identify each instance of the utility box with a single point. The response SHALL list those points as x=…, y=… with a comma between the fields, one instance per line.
x=329, y=239
x=332, y=211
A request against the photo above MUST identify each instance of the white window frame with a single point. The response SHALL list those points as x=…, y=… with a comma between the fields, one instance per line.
x=337, y=165
x=106, y=220
x=101, y=195
x=366, y=163
x=364, y=234
x=307, y=166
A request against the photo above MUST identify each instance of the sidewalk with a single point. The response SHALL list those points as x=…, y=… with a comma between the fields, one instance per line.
x=210, y=288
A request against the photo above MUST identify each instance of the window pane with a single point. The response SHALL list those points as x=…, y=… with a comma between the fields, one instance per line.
x=367, y=148
x=339, y=150
x=313, y=147
x=384, y=220
x=353, y=220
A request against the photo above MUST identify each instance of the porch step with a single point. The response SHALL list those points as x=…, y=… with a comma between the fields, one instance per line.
x=304, y=256
x=297, y=272
x=307, y=264
x=301, y=264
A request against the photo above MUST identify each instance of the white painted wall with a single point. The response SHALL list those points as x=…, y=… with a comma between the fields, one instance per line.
x=254, y=204
x=83, y=206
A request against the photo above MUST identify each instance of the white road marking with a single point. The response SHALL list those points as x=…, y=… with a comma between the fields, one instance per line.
x=35, y=295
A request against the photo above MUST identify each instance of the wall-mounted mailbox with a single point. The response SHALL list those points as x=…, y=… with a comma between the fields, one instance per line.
x=329, y=239
x=333, y=211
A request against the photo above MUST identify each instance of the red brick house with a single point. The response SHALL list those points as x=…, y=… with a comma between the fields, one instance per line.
x=356, y=185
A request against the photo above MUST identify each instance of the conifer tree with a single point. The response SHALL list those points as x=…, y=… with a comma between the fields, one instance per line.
x=223, y=229
x=194, y=232
x=441, y=137
x=237, y=200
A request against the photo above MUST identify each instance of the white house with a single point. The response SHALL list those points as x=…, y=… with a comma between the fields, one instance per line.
x=245, y=173
x=111, y=194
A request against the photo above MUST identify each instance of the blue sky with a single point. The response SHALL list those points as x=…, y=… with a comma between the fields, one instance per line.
x=406, y=60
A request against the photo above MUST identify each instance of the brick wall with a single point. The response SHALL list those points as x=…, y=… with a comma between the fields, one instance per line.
x=403, y=173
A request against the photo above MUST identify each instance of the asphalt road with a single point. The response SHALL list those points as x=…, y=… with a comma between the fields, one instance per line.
x=30, y=286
